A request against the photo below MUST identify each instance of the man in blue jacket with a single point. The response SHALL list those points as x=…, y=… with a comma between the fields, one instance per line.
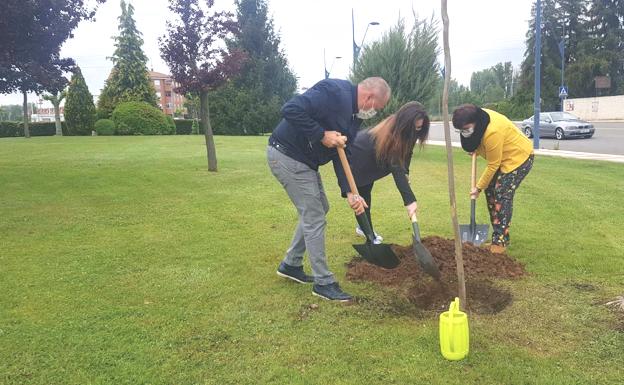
x=326, y=116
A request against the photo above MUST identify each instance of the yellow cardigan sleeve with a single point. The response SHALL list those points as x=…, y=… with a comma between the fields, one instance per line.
x=493, y=147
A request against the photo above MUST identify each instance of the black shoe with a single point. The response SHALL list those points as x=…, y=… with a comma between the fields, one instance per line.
x=332, y=292
x=295, y=273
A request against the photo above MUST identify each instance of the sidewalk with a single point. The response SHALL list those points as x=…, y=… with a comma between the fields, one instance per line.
x=560, y=153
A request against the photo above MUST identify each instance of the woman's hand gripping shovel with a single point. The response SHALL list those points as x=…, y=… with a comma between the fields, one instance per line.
x=473, y=233
x=377, y=254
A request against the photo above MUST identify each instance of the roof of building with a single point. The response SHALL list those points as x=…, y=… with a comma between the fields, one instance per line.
x=153, y=74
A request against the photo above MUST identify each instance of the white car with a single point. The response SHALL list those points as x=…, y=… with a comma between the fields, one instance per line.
x=559, y=125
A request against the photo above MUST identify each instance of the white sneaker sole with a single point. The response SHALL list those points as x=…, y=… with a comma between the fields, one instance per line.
x=329, y=299
x=378, y=238
x=290, y=277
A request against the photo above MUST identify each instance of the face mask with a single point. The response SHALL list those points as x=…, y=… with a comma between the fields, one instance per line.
x=366, y=114
x=467, y=133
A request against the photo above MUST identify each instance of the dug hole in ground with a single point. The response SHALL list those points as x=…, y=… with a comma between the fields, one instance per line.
x=411, y=282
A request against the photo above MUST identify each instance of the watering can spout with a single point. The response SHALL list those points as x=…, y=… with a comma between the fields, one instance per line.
x=454, y=333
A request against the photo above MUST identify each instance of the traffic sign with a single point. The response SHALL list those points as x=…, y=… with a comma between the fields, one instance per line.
x=563, y=91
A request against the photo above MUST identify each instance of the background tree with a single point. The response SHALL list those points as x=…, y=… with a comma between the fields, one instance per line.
x=191, y=50
x=406, y=60
x=129, y=79
x=251, y=102
x=79, y=108
x=56, y=98
x=32, y=34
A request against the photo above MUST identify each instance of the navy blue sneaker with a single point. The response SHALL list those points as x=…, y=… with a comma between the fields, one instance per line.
x=295, y=273
x=332, y=292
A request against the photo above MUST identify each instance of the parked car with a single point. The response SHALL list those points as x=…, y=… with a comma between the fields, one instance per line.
x=559, y=125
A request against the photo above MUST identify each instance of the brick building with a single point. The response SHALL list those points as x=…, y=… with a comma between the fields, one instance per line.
x=168, y=100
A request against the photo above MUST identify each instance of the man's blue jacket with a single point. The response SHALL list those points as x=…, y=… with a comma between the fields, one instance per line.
x=330, y=105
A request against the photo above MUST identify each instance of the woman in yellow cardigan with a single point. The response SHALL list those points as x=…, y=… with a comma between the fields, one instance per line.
x=509, y=156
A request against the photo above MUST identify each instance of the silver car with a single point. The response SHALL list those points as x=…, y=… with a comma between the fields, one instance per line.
x=559, y=125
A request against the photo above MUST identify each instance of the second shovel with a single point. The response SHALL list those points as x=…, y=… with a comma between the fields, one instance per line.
x=425, y=260
x=473, y=233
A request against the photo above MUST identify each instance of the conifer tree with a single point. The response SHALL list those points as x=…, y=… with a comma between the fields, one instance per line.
x=129, y=79
x=79, y=107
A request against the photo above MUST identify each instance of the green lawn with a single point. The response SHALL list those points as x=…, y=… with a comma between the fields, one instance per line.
x=123, y=261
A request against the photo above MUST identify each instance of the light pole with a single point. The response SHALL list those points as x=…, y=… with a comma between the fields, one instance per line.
x=562, y=90
x=538, y=65
x=357, y=48
x=332, y=64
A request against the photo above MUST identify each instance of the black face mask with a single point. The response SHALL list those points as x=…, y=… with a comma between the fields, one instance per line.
x=471, y=143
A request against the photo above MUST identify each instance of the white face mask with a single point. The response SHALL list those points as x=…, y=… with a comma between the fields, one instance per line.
x=366, y=114
x=467, y=133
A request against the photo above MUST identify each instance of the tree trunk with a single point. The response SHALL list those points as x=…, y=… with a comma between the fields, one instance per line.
x=459, y=259
x=204, y=123
x=25, y=106
x=57, y=118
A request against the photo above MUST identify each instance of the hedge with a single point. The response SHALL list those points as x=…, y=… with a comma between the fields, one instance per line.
x=16, y=129
x=183, y=126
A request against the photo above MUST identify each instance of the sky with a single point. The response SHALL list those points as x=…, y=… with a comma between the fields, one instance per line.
x=482, y=33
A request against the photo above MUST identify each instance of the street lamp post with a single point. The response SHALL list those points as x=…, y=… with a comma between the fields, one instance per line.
x=562, y=93
x=357, y=48
x=332, y=64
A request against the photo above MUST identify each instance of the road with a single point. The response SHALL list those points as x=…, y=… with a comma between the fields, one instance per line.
x=608, y=139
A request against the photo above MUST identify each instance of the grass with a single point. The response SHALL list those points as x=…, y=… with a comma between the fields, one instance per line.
x=123, y=261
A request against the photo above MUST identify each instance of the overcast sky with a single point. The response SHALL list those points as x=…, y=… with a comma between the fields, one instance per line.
x=482, y=33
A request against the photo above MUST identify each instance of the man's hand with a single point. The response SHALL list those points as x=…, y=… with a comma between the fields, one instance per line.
x=357, y=203
x=412, y=209
x=333, y=139
x=474, y=192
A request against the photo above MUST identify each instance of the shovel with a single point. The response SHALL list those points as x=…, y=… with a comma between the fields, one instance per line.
x=422, y=254
x=473, y=233
x=381, y=254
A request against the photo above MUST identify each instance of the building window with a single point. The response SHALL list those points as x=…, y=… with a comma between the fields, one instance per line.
x=168, y=105
x=168, y=94
x=157, y=83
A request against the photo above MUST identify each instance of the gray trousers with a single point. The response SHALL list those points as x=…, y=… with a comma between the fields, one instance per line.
x=305, y=190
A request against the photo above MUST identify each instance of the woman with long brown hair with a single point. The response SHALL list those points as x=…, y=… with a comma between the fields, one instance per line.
x=387, y=149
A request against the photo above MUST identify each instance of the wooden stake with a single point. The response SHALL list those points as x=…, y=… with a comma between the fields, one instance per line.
x=459, y=259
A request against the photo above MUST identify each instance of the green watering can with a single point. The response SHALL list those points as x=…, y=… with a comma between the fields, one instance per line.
x=454, y=335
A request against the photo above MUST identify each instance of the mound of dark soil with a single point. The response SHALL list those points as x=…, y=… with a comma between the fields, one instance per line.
x=410, y=281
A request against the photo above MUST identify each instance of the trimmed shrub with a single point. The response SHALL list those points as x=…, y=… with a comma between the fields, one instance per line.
x=172, y=126
x=183, y=126
x=140, y=118
x=16, y=129
x=195, y=127
x=79, y=107
x=105, y=127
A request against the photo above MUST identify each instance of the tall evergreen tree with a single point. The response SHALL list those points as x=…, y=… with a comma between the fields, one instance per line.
x=129, y=78
x=79, y=107
x=407, y=60
x=250, y=102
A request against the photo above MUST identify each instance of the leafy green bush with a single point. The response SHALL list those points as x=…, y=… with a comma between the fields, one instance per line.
x=16, y=129
x=171, y=123
x=140, y=118
x=105, y=127
x=183, y=126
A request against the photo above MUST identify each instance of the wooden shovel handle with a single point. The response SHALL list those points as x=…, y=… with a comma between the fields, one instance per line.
x=347, y=170
x=473, y=178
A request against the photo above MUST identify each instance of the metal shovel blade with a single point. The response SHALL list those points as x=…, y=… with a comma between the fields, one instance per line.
x=377, y=254
x=476, y=234
x=380, y=255
x=424, y=257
